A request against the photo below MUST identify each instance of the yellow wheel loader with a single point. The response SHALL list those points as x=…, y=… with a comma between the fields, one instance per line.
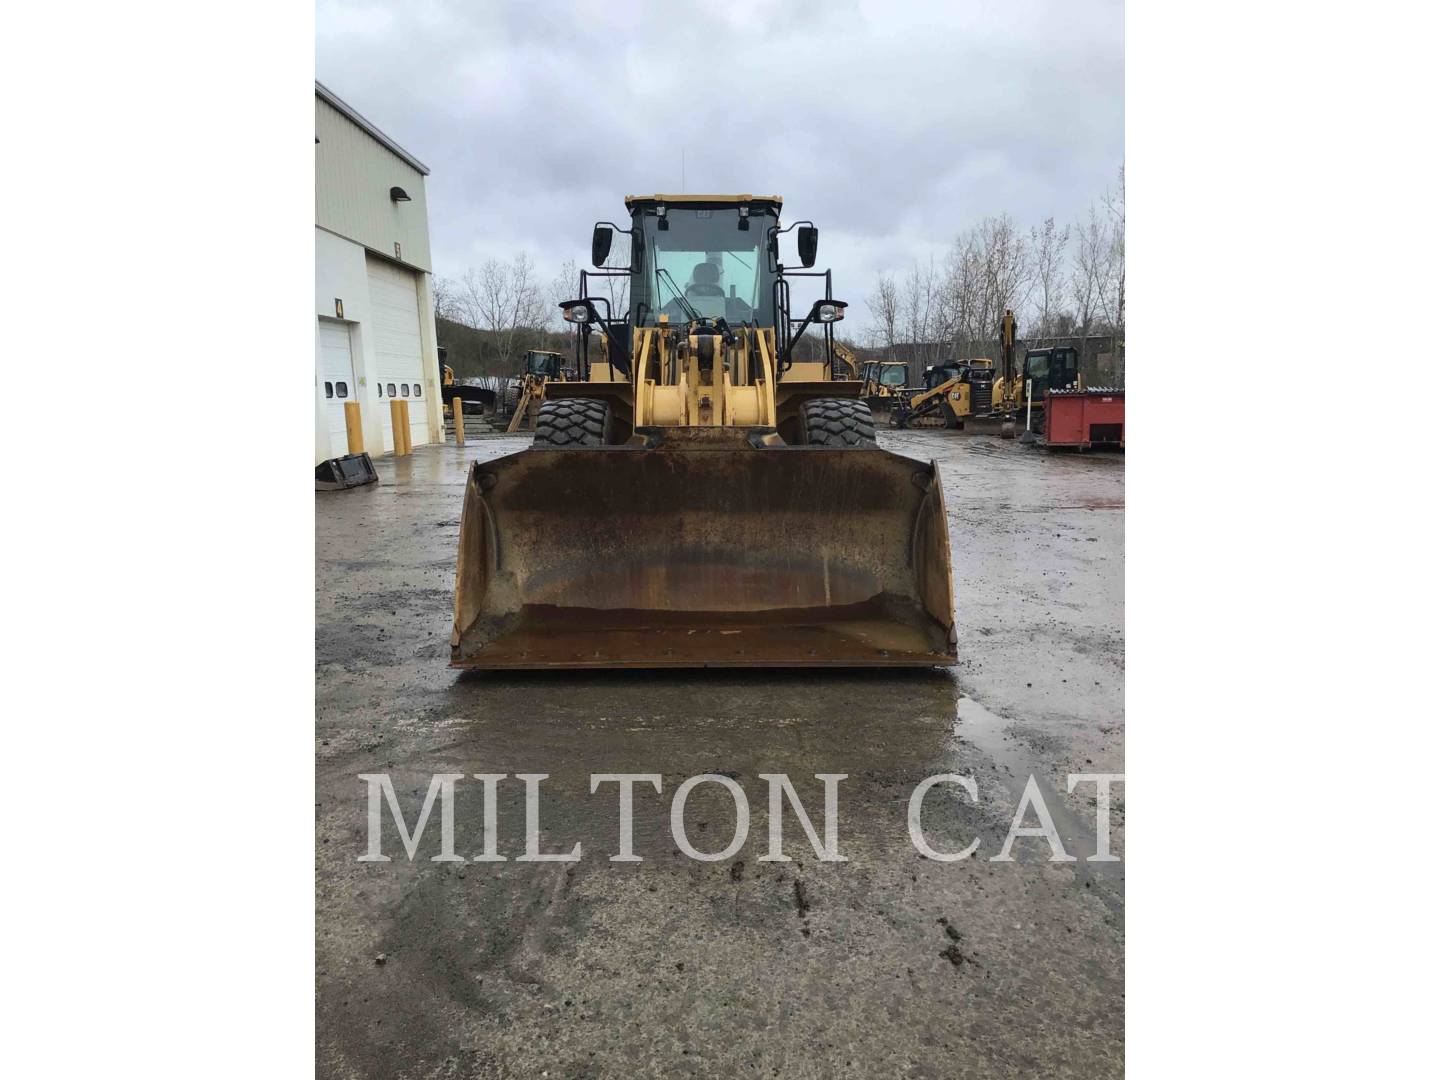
x=698, y=497
x=539, y=368
x=882, y=382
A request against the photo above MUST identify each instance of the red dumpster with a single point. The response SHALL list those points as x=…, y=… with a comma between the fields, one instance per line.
x=1085, y=418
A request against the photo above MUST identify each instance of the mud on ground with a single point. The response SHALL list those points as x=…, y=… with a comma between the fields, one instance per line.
x=887, y=964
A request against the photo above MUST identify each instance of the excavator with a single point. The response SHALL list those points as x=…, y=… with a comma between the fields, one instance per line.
x=1020, y=391
x=852, y=364
x=699, y=495
x=538, y=368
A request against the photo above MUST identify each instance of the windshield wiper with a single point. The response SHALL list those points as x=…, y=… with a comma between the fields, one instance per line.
x=690, y=311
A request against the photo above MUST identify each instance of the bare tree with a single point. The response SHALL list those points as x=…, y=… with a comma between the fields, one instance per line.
x=446, y=294
x=562, y=289
x=1047, y=252
x=965, y=289
x=1114, y=203
x=884, y=305
x=1091, y=273
x=1008, y=275
x=921, y=304
x=505, y=299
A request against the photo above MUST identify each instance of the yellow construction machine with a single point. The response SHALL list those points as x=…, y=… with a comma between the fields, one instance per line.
x=882, y=384
x=880, y=380
x=698, y=496
x=847, y=364
x=953, y=393
x=1020, y=390
x=539, y=368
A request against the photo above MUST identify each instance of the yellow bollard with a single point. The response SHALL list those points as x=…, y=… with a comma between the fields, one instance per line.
x=457, y=410
x=405, y=412
x=397, y=428
x=354, y=434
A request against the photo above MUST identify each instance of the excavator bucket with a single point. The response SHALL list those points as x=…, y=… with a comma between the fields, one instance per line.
x=731, y=556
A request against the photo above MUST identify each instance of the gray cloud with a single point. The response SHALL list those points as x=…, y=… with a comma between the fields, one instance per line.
x=892, y=125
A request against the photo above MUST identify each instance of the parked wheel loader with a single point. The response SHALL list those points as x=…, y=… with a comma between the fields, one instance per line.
x=698, y=496
x=884, y=383
x=538, y=368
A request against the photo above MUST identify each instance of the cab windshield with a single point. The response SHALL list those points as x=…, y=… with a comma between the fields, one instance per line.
x=704, y=265
x=892, y=376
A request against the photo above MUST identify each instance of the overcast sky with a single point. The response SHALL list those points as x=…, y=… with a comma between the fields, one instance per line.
x=892, y=125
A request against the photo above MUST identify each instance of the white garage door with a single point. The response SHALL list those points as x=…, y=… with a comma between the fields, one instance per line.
x=337, y=380
x=395, y=317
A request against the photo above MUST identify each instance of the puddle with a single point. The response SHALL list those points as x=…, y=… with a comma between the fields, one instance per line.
x=1014, y=764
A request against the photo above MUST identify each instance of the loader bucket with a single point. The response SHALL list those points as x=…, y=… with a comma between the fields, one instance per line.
x=772, y=556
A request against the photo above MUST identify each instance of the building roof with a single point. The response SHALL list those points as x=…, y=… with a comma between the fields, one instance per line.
x=330, y=97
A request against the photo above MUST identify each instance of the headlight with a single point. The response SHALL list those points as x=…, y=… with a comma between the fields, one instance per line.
x=577, y=314
x=829, y=313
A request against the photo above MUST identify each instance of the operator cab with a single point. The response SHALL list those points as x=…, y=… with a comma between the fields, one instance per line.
x=1056, y=368
x=942, y=373
x=708, y=264
x=701, y=259
x=544, y=365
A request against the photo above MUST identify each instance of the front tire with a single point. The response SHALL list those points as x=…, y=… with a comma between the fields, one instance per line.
x=573, y=422
x=840, y=422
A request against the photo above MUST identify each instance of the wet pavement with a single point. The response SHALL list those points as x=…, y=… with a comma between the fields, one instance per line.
x=886, y=964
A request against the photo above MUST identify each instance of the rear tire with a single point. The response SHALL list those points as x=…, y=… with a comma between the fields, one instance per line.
x=838, y=422
x=573, y=422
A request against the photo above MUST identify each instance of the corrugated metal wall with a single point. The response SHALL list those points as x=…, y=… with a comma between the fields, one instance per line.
x=353, y=178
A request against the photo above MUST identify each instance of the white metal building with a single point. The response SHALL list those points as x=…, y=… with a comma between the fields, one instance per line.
x=375, y=316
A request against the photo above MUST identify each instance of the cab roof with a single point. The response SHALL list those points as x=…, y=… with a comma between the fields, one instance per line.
x=700, y=201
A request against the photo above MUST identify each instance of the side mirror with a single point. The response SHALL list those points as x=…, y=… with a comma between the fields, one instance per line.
x=808, y=239
x=600, y=244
